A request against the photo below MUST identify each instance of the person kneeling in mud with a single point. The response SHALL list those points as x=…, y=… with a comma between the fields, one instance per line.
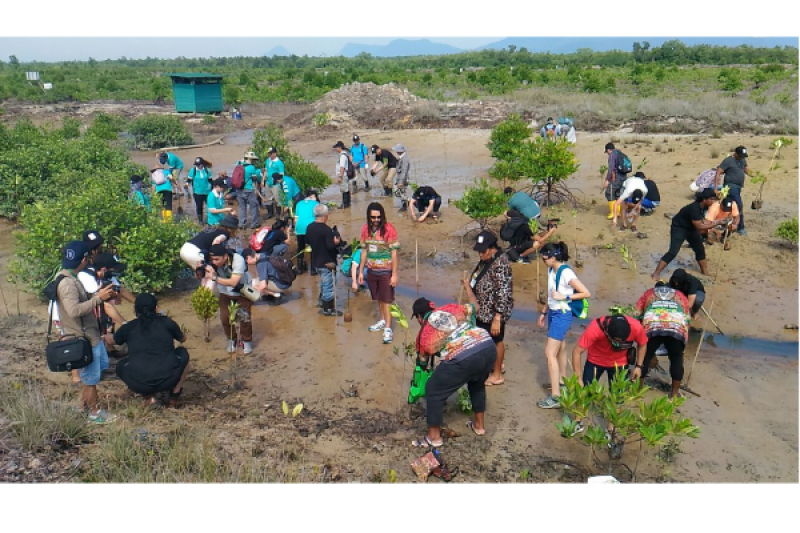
x=518, y=233
x=268, y=282
x=153, y=364
x=467, y=354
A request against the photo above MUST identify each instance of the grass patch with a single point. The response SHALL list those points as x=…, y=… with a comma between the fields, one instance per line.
x=39, y=423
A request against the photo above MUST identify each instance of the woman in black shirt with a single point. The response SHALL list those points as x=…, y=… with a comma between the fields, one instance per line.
x=153, y=364
x=686, y=226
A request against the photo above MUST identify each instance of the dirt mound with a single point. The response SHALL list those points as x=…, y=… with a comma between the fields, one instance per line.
x=391, y=107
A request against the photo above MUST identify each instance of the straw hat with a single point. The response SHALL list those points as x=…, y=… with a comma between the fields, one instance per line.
x=251, y=155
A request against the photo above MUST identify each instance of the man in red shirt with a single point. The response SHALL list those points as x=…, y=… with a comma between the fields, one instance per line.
x=608, y=339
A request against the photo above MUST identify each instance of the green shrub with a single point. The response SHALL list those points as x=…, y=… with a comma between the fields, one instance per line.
x=482, y=203
x=148, y=246
x=209, y=120
x=788, y=230
x=321, y=119
x=504, y=141
x=305, y=173
x=106, y=127
x=159, y=131
x=71, y=128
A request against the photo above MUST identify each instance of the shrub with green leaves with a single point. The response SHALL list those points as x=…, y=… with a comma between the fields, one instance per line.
x=305, y=173
x=622, y=407
x=149, y=247
x=788, y=230
x=159, y=131
x=106, y=127
x=504, y=141
x=482, y=202
x=39, y=163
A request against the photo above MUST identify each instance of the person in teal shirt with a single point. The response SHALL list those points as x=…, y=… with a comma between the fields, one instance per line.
x=523, y=203
x=201, y=178
x=176, y=169
x=136, y=195
x=272, y=191
x=164, y=190
x=303, y=216
x=291, y=191
x=246, y=197
x=216, y=203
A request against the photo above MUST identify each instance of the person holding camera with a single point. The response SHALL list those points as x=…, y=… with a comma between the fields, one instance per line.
x=324, y=242
x=519, y=234
x=153, y=364
x=102, y=273
x=229, y=271
x=77, y=317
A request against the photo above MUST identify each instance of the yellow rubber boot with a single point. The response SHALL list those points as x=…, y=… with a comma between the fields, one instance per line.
x=167, y=216
x=611, y=210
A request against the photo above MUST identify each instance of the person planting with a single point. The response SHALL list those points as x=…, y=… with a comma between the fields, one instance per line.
x=229, y=270
x=518, y=233
x=725, y=209
x=632, y=196
x=175, y=168
x=303, y=217
x=691, y=287
x=607, y=340
x=386, y=163
x=424, y=202
x=269, y=282
x=734, y=167
x=522, y=203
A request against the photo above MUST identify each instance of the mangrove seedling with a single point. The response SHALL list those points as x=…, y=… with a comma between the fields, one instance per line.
x=205, y=305
x=464, y=401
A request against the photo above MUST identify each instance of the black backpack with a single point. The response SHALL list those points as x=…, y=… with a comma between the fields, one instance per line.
x=350, y=169
x=285, y=269
x=50, y=292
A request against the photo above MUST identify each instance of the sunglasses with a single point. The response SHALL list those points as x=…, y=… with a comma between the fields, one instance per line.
x=375, y=218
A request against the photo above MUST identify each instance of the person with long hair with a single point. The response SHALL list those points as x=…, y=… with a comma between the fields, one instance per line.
x=379, y=255
x=153, y=365
x=491, y=291
x=563, y=285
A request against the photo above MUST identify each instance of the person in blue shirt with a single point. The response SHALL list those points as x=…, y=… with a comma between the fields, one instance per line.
x=522, y=202
x=246, y=197
x=303, y=216
x=176, y=169
x=360, y=154
x=136, y=195
x=291, y=193
x=272, y=196
x=216, y=203
x=201, y=178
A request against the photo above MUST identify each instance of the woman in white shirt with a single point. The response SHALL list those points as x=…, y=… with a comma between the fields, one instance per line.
x=562, y=285
x=633, y=192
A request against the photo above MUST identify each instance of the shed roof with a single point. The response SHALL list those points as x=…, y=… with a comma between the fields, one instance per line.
x=194, y=75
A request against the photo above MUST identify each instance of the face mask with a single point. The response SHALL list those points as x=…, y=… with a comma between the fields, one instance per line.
x=619, y=346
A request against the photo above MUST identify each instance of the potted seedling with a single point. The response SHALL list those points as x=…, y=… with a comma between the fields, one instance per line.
x=205, y=305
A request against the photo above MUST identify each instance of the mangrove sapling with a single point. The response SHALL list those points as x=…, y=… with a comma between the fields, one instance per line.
x=233, y=312
x=777, y=144
x=616, y=414
x=205, y=305
x=482, y=202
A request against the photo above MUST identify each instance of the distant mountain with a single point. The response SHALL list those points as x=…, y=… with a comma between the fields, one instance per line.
x=278, y=51
x=566, y=45
x=400, y=47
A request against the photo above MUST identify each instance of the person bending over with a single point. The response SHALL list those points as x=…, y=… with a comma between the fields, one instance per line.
x=424, y=203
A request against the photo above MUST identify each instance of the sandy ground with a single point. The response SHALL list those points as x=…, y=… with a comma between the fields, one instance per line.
x=301, y=356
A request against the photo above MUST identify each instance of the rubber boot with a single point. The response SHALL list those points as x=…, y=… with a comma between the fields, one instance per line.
x=345, y=199
x=167, y=215
x=301, y=264
x=611, y=210
x=387, y=191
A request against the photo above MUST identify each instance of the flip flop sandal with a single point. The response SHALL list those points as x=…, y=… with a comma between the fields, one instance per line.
x=425, y=442
x=471, y=425
x=488, y=383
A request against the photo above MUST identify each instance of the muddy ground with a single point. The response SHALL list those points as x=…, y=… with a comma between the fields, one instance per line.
x=302, y=357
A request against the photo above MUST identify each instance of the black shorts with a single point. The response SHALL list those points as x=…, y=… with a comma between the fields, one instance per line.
x=150, y=388
x=488, y=327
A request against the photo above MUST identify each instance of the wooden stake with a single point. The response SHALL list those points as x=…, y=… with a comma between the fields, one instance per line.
x=538, y=277
x=703, y=309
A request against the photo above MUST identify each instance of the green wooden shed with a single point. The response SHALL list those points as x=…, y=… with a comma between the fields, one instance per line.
x=196, y=92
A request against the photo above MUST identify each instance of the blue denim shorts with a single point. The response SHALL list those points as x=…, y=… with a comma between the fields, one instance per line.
x=558, y=323
x=90, y=375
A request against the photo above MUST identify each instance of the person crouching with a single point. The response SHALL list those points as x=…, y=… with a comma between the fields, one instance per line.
x=229, y=270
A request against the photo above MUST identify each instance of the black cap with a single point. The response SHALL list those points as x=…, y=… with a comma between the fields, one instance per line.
x=485, y=240
x=220, y=182
x=618, y=327
x=230, y=221
x=374, y=148
x=93, y=239
x=355, y=137
x=705, y=194
x=339, y=144
x=741, y=151
x=218, y=250
x=609, y=146
x=277, y=176
x=637, y=196
x=136, y=179
x=421, y=307
x=74, y=254
x=108, y=261
x=272, y=150
x=726, y=204
x=198, y=160
x=549, y=120
x=640, y=174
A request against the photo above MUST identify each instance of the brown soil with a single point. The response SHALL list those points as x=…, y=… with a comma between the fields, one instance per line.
x=302, y=357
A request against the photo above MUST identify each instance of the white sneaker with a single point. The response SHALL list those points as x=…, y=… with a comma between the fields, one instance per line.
x=248, y=347
x=231, y=346
x=377, y=326
x=387, y=336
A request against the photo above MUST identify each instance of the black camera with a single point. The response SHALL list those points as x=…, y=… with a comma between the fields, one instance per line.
x=553, y=223
x=335, y=232
x=107, y=280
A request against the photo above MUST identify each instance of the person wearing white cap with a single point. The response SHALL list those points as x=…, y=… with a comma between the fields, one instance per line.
x=403, y=174
x=360, y=155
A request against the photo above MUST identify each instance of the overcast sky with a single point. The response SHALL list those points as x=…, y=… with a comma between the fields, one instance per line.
x=82, y=48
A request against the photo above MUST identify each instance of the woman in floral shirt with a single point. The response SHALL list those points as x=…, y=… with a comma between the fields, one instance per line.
x=490, y=289
x=665, y=315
